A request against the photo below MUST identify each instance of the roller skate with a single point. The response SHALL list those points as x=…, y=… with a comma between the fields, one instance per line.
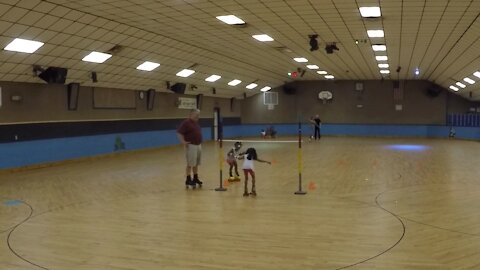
x=231, y=179
x=245, y=193
x=197, y=181
x=189, y=183
x=253, y=193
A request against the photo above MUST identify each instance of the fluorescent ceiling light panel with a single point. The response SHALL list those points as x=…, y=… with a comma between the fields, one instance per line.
x=383, y=65
x=375, y=33
x=251, y=86
x=379, y=48
x=213, y=78
x=148, y=66
x=97, y=57
x=301, y=59
x=312, y=67
x=185, y=73
x=461, y=84
x=329, y=77
x=322, y=72
x=234, y=82
x=453, y=88
x=231, y=19
x=381, y=57
x=370, y=12
x=23, y=45
x=385, y=71
x=477, y=74
x=262, y=38
x=266, y=88
x=468, y=80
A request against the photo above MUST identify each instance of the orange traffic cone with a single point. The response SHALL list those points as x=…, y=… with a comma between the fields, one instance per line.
x=312, y=186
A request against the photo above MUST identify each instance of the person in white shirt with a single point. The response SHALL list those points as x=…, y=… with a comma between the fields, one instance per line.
x=232, y=156
x=248, y=168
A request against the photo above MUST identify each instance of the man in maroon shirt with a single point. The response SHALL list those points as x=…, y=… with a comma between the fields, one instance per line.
x=190, y=135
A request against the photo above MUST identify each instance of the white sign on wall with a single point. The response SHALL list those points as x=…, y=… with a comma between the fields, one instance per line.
x=187, y=103
x=0, y=97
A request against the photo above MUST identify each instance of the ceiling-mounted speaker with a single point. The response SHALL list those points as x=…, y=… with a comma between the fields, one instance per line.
x=434, y=91
x=94, y=77
x=54, y=75
x=289, y=90
x=232, y=104
x=73, y=90
x=150, y=99
x=199, y=101
x=178, y=88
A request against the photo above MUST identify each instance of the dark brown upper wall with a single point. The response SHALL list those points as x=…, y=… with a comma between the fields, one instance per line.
x=43, y=103
x=457, y=104
x=376, y=98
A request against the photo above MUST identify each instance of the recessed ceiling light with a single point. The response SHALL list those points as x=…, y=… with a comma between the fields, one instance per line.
x=231, y=19
x=148, y=66
x=312, y=67
x=468, y=80
x=23, y=45
x=213, y=78
x=185, y=73
x=266, y=88
x=453, y=88
x=375, y=33
x=381, y=57
x=383, y=65
x=477, y=74
x=379, y=48
x=329, y=77
x=461, y=84
x=370, y=12
x=322, y=72
x=263, y=38
x=301, y=59
x=97, y=57
x=385, y=71
x=234, y=82
x=251, y=86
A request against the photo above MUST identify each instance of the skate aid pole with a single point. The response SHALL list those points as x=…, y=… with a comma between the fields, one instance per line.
x=300, y=192
x=220, y=160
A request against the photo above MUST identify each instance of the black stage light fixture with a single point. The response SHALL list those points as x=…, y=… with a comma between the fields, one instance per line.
x=331, y=47
x=313, y=42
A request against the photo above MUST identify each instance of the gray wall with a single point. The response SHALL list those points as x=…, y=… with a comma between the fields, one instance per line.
x=43, y=103
x=376, y=98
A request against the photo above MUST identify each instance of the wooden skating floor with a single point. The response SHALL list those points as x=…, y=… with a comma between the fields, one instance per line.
x=372, y=204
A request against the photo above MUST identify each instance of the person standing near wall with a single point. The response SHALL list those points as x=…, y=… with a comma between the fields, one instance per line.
x=312, y=125
x=190, y=135
x=317, y=123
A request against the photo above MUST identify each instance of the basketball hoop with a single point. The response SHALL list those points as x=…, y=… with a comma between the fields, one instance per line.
x=324, y=96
